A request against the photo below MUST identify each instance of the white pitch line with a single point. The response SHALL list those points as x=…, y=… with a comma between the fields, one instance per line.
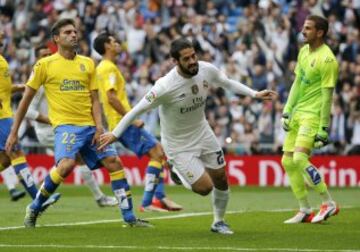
x=154, y=248
x=176, y=216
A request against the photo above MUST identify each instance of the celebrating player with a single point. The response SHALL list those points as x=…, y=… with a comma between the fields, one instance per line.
x=75, y=113
x=188, y=140
x=115, y=103
x=306, y=118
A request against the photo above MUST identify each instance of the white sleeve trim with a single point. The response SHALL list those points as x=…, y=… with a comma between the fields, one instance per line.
x=125, y=122
x=32, y=114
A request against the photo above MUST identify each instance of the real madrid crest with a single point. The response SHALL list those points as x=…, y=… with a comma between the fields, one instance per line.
x=195, y=89
x=205, y=84
x=82, y=67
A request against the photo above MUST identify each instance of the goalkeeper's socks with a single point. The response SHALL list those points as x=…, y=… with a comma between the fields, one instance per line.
x=304, y=204
x=24, y=175
x=326, y=197
x=151, y=180
x=122, y=193
x=51, y=182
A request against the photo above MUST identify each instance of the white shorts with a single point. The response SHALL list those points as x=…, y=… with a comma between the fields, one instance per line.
x=189, y=166
x=46, y=137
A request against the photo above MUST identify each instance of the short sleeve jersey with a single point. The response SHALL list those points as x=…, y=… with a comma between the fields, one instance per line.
x=316, y=70
x=109, y=77
x=67, y=85
x=5, y=89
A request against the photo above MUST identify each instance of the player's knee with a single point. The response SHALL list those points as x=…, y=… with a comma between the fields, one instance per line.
x=112, y=164
x=4, y=160
x=157, y=153
x=203, y=186
x=221, y=182
x=300, y=159
x=16, y=154
x=65, y=166
x=203, y=191
x=287, y=163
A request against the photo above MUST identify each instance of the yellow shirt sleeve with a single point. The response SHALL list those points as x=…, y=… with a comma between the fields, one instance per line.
x=110, y=79
x=38, y=75
x=93, y=82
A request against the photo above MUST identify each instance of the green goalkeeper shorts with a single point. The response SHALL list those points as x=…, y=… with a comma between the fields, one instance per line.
x=303, y=128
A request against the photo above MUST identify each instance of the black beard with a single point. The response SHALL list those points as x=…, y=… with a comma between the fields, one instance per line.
x=188, y=72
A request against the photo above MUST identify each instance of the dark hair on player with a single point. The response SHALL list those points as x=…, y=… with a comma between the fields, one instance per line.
x=178, y=45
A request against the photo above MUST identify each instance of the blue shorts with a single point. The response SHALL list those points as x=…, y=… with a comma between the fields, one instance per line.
x=70, y=140
x=5, y=128
x=138, y=140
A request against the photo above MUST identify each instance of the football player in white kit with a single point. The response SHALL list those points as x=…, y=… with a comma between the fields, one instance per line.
x=37, y=112
x=187, y=137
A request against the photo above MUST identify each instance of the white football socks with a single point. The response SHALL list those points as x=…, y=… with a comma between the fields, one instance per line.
x=90, y=181
x=220, y=200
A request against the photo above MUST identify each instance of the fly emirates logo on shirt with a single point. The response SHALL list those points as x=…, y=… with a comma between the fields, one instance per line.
x=71, y=85
x=197, y=102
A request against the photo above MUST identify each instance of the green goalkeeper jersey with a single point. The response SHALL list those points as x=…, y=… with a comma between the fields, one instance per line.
x=314, y=71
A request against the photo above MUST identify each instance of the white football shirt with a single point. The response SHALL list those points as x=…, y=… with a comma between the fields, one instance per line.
x=181, y=104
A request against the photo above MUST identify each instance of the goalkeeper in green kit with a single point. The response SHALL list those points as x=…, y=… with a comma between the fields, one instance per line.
x=306, y=119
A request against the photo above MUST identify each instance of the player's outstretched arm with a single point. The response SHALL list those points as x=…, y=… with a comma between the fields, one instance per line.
x=266, y=94
x=19, y=116
x=116, y=104
x=110, y=137
x=240, y=88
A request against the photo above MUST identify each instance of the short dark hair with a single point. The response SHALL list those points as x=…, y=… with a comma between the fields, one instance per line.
x=178, y=45
x=320, y=23
x=55, y=29
x=99, y=42
x=39, y=48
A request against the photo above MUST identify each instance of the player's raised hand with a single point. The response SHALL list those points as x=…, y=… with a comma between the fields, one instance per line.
x=106, y=139
x=266, y=94
x=10, y=143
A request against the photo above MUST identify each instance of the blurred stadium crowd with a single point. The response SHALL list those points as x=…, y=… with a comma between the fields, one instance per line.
x=253, y=41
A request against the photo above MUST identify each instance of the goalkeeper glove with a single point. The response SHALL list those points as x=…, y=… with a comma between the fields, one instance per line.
x=321, y=138
x=285, y=121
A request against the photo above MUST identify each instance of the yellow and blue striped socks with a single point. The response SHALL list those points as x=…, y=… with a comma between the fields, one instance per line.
x=122, y=193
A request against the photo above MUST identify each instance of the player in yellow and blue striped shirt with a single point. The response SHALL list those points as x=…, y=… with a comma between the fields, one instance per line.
x=75, y=114
x=15, y=157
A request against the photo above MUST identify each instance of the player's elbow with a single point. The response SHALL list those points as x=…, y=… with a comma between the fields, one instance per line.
x=112, y=101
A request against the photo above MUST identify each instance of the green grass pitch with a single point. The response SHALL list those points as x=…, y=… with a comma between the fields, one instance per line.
x=256, y=215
